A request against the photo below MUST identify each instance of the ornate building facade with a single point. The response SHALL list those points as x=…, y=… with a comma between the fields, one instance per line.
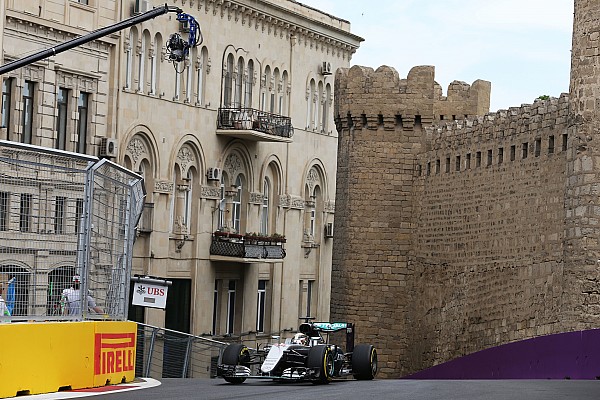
x=237, y=146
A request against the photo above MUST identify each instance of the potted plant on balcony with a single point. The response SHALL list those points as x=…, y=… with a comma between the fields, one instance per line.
x=227, y=234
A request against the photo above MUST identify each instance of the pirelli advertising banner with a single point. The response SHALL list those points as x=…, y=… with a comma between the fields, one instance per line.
x=45, y=357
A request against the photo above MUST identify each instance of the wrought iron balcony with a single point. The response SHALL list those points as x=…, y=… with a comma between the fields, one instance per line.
x=256, y=125
x=238, y=248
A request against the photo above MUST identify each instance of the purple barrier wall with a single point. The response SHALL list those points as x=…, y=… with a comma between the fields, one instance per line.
x=569, y=355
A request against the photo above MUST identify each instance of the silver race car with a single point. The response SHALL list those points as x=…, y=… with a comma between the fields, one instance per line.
x=305, y=357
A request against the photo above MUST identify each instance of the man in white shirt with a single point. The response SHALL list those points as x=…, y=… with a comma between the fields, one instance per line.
x=70, y=301
x=4, y=311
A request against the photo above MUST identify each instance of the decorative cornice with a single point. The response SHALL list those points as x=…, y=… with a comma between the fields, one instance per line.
x=210, y=192
x=256, y=198
x=163, y=187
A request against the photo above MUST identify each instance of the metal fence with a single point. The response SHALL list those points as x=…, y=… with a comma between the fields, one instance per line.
x=62, y=216
x=163, y=353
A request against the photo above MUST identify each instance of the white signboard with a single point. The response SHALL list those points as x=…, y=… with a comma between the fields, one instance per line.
x=149, y=295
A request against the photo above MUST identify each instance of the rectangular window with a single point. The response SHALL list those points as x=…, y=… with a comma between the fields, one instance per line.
x=83, y=2
x=82, y=123
x=215, y=307
x=500, y=155
x=468, y=166
x=25, y=212
x=309, y=295
x=428, y=168
x=78, y=215
x=6, y=100
x=230, y=306
x=513, y=152
x=478, y=160
x=551, y=144
x=60, y=215
x=27, y=120
x=538, y=147
x=489, y=157
x=458, y=163
x=437, y=166
x=525, y=150
x=447, y=164
x=62, y=105
x=261, y=305
x=313, y=215
x=564, y=142
x=4, y=215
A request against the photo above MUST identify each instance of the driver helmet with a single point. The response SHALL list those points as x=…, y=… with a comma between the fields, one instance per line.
x=300, y=338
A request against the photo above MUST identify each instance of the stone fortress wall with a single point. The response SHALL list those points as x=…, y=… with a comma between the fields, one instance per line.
x=458, y=229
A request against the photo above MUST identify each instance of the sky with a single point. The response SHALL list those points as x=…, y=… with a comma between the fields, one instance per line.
x=523, y=47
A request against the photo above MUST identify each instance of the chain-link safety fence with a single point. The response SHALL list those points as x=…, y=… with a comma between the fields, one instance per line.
x=67, y=227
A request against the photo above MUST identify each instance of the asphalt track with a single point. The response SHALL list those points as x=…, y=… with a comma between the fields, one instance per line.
x=213, y=389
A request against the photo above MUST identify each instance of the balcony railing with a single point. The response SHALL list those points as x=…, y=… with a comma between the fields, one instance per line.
x=254, y=124
x=247, y=249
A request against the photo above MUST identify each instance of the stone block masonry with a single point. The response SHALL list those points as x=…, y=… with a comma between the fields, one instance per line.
x=451, y=222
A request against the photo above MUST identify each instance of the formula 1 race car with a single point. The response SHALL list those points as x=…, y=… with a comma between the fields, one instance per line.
x=305, y=357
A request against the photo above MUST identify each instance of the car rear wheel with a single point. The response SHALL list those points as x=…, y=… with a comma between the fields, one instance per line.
x=364, y=362
x=235, y=354
x=321, y=360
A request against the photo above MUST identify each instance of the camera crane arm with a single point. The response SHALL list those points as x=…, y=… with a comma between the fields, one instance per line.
x=193, y=40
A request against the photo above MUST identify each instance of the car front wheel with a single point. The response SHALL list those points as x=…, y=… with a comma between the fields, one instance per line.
x=235, y=354
x=320, y=359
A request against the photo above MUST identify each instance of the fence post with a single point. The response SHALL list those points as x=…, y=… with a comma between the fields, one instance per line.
x=150, y=351
x=188, y=354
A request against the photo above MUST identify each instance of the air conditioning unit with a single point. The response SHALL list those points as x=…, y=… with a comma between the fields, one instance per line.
x=108, y=148
x=141, y=6
x=329, y=230
x=325, y=68
x=213, y=174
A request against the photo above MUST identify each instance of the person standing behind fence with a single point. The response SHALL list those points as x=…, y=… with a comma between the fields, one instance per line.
x=4, y=311
x=70, y=301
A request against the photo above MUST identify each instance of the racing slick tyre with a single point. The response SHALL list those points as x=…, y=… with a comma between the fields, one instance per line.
x=364, y=362
x=235, y=354
x=321, y=360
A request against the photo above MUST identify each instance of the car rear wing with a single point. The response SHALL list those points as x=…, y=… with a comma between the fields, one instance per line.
x=310, y=328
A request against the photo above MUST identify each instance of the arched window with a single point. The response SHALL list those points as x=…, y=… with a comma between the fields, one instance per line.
x=276, y=106
x=239, y=79
x=142, y=62
x=237, y=205
x=129, y=58
x=222, y=203
x=325, y=113
x=201, y=79
x=310, y=105
x=265, y=92
x=155, y=64
x=190, y=75
x=249, y=84
x=318, y=99
x=228, y=82
x=264, y=216
x=284, y=94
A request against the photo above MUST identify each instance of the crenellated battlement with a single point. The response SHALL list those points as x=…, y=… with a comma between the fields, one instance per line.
x=369, y=98
x=502, y=124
